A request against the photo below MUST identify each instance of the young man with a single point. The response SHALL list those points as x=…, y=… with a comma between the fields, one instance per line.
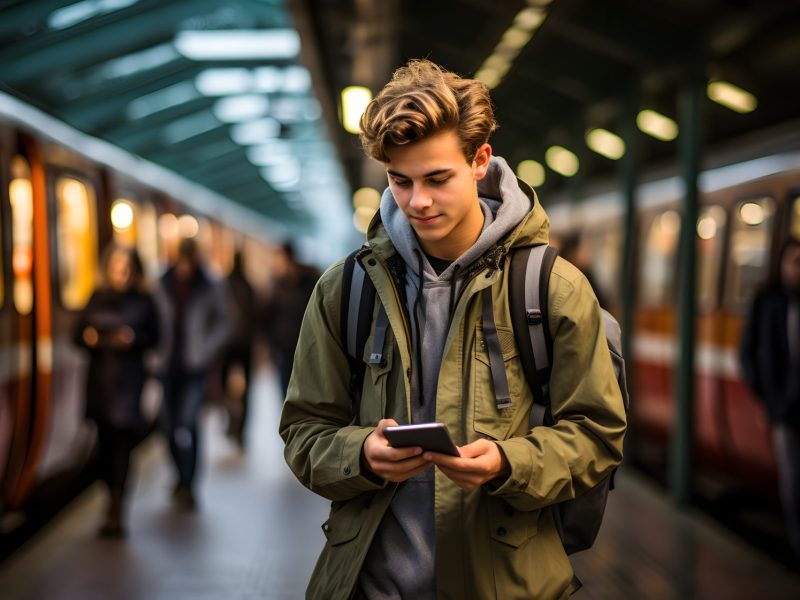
x=411, y=524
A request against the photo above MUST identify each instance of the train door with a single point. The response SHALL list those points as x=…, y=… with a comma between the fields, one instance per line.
x=753, y=227
x=28, y=322
x=7, y=354
x=74, y=248
x=654, y=340
x=713, y=359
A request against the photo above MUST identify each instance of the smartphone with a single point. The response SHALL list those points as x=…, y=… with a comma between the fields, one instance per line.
x=432, y=437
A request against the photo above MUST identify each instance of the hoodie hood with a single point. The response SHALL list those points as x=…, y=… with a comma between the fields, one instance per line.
x=508, y=204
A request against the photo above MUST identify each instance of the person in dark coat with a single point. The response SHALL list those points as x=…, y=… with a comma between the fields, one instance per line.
x=240, y=345
x=292, y=289
x=194, y=304
x=770, y=359
x=117, y=326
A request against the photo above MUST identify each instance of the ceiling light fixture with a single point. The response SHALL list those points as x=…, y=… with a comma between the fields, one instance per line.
x=240, y=44
x=531, y=172
x=562, y=161
x=657, y=125
x=731, y=96
x=354, y=102
x=605, y=143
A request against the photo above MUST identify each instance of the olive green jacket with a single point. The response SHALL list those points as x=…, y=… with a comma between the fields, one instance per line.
x=496, y=541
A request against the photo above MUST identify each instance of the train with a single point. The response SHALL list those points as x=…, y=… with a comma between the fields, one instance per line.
x=63, y=197
x=749, y=204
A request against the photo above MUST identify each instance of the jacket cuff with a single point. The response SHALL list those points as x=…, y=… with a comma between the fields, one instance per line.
x=518, y=454
x=351, y=466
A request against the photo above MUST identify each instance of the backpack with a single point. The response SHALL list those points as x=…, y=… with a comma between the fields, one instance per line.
x=578, y=520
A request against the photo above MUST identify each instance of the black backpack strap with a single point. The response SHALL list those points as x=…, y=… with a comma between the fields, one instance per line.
x=357, y=305
x=530, y=279
x=496, y=362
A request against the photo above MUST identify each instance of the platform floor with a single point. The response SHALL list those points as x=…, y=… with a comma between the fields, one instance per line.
x=257, y=535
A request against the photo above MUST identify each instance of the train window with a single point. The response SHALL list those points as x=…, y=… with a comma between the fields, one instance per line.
x=123, y=213
x=77, y=241
x=751, y=237
x=711, y=238
x=657, y=272
x=794, y=219
x=147, y=237
x=20, y=193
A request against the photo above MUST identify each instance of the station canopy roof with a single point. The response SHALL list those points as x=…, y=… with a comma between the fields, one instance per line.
x=214, y=91
x=559, y=69
x=223, y=93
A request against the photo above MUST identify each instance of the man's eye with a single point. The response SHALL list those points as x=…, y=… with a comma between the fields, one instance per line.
x=402, y=182
x=440, y=181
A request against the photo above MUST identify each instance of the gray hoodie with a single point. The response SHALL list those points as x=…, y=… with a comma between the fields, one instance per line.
x=400, y=562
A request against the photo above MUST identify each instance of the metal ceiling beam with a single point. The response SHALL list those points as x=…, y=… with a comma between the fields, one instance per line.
x=148, y=141
x=182, y=159
x=207, y=170
x=220, y=176
x=24, y=17
x=111, y=99
x=126, y=128
x=155, y=23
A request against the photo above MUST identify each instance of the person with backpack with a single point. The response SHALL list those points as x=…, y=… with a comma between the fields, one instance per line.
x=440, y=346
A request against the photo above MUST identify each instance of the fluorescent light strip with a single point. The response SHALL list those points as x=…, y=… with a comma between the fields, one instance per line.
x=657, y=125
x=354, y=102
x=562, y=161
x=732, y=97
x=238, y=44
x=531, y=172
x=605, y=143
x=165, y=98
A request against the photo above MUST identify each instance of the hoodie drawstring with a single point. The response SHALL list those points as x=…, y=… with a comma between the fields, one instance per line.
x=417, y=306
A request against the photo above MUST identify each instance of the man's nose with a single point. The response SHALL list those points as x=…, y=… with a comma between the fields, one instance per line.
x=420, y=198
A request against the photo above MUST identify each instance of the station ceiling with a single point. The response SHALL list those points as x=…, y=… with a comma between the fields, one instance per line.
x=586, y=64
x=129, y=71
x=236, y=116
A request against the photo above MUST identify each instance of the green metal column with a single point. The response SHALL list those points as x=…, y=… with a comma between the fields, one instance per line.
x=689, y=119
x=628, y=172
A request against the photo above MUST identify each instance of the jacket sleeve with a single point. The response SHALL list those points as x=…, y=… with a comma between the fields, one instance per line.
x=322, y=448
x=557, y=463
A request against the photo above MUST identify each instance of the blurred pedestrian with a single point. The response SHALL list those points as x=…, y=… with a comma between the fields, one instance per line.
x=293, y=285
x=118, y=325
x=573, y=249
x=770, y=357
x=240, y=348
x=196, y=311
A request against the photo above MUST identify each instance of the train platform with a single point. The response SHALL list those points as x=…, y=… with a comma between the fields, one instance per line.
x=256, y=534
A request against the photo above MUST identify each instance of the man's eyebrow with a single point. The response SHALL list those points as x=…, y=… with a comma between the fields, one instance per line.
x=430, y=174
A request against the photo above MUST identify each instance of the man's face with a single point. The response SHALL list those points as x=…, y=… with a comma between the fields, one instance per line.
x=436, y=189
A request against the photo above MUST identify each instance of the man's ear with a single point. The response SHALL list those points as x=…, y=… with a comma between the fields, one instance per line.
x=480, y=163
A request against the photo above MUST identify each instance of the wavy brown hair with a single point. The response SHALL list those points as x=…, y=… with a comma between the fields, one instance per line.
x=421, y=100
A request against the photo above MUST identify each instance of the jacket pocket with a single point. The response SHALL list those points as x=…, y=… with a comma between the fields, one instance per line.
x=488, y=419
x=509, y=526
x=344, y=522
x=373, y=392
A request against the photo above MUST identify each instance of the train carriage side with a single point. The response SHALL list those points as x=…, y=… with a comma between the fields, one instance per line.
x=739, y=231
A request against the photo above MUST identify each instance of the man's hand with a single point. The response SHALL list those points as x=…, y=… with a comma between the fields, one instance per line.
x=392, y=464
x=479, y=462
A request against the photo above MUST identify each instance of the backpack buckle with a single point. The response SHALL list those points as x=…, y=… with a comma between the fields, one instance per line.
x=534, y=316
